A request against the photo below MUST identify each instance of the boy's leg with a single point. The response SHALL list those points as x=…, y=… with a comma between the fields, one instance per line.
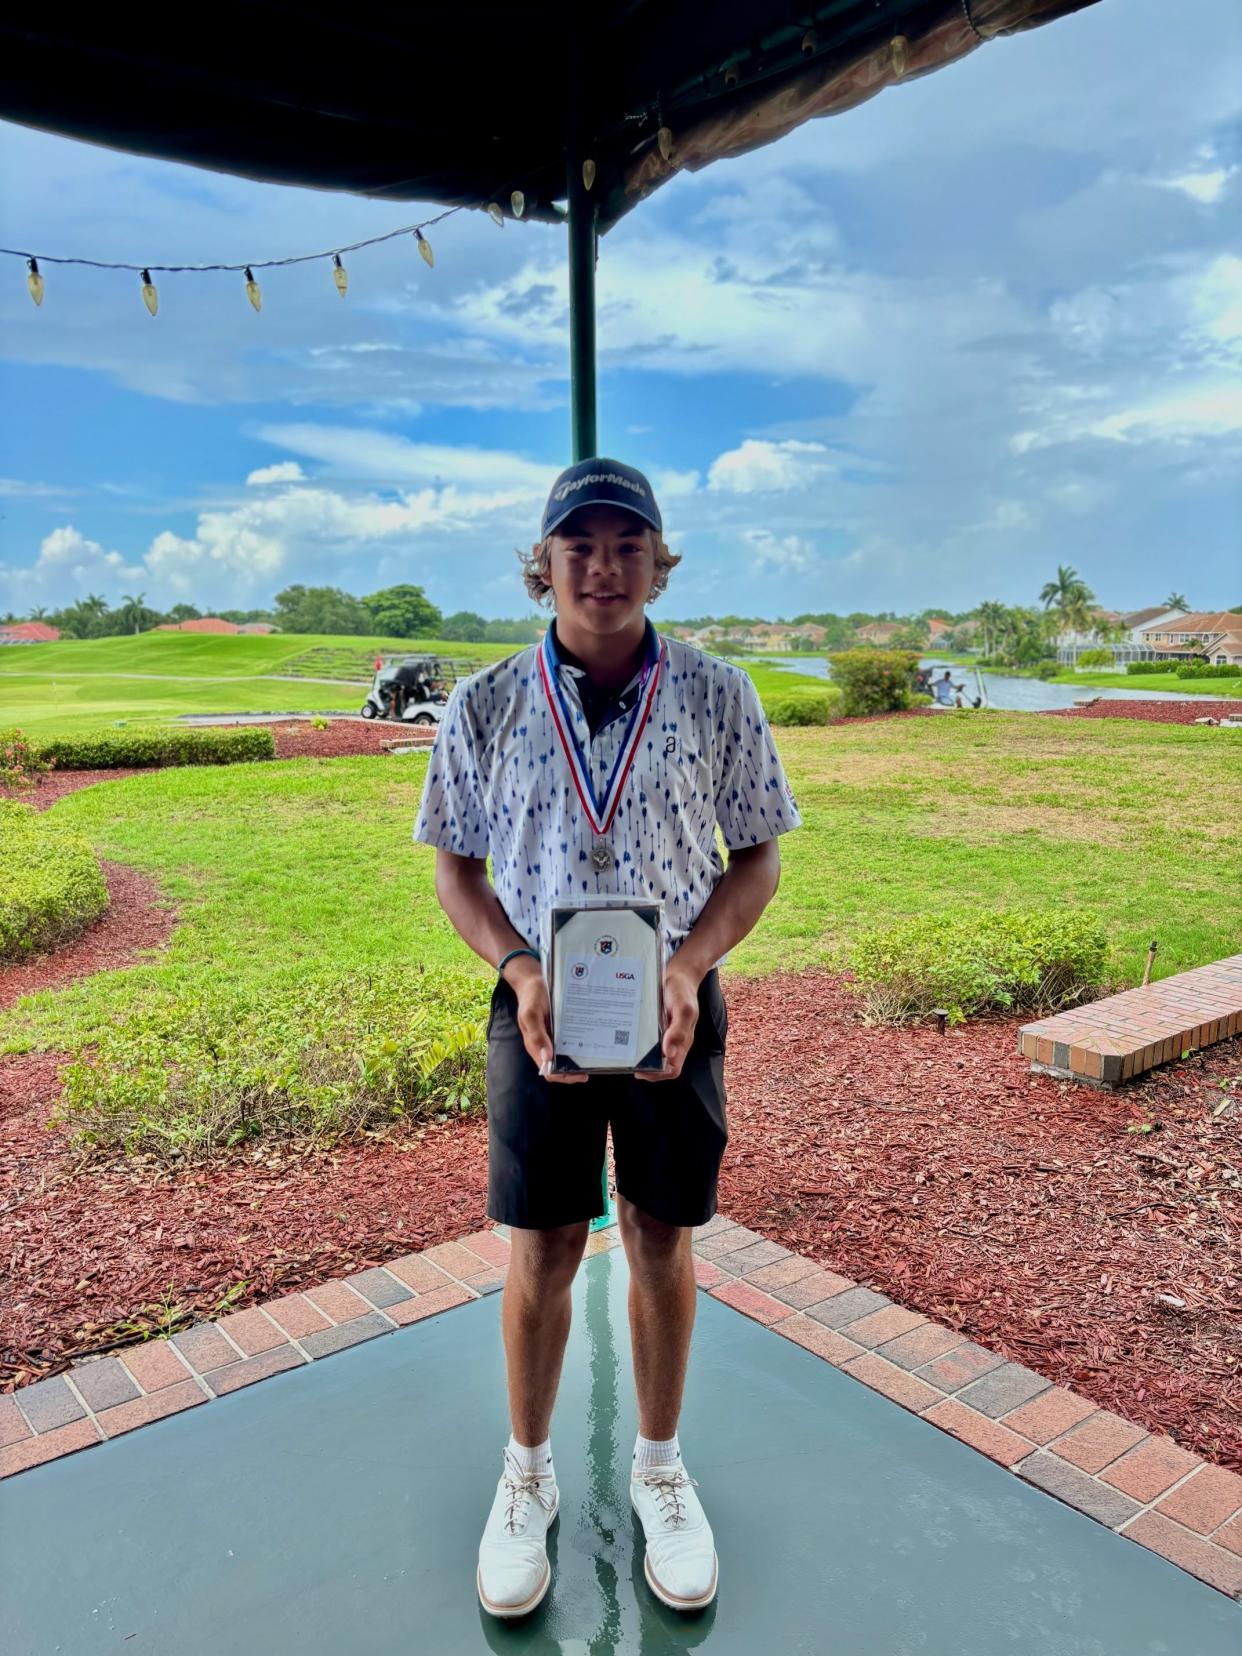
x=661, y=1304
x=535, y=1316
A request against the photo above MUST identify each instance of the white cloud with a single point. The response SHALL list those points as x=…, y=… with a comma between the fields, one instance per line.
x=759, y=466
x=784, y=552
x=1203, y=187
x=284, y=471
x=16, y=488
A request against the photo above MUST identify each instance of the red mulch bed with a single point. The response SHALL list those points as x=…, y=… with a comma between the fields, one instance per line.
x=1157, y=712
x=938, y=1170
x=135, y=920
x=1017, y=1208
x=298, y=738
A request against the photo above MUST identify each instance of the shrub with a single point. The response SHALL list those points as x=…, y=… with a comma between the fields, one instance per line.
x=1208, y=669
x=112, y=750
x=1146, y=667
x=800, y=705
x=1096, y=658
x=1047, y=670
x=51, y=887
x=1023, y=961
x=874, y=681
x=21, y=765
x=198, y=1070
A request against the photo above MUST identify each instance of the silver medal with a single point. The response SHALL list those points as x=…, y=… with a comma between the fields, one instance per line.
x=601, y=855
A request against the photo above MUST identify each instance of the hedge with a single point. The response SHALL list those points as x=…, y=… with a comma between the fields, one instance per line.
x=801, y=704
x=197, y=1070
x=1025, y=961
x=113, y=750
x=51, y=885
x=1208, y=669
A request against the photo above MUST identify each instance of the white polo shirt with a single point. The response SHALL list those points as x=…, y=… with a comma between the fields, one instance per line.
x=498, y=785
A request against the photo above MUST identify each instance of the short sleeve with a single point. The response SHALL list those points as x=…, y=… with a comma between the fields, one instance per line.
x=452, y=815
x=753, y=799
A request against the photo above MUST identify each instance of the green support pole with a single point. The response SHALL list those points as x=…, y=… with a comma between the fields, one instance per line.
x=582, y=256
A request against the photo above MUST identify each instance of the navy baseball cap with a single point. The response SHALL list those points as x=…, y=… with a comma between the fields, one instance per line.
x=600, y=482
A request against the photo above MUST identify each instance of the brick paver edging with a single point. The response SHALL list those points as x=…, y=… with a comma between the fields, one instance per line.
x=1123, y=1036
x=1138, y=1483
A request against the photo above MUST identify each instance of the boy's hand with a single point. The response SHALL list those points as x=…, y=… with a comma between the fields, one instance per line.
x=681, y=1013
x=534, y=1016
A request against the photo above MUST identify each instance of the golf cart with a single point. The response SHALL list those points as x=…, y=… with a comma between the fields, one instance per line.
x=414, y=690
x=931, y=673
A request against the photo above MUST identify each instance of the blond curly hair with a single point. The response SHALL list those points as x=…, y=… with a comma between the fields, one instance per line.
x=535, y=569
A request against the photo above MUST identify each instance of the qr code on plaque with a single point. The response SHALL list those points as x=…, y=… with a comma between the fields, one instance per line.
x=620, y=1037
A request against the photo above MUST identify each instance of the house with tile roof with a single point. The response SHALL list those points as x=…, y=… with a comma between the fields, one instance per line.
x=1211, y=635
x=29, y=632
x=1131, y=647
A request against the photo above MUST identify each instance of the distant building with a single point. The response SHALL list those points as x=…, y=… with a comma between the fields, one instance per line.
x=29, y=632
x=936, y=629
x=206, y=624
x=879, y=632
x=257, y=627
x=1133, y=646
x=1182, y=637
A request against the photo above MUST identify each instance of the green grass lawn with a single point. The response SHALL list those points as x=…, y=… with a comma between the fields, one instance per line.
x=1104, y=680
x=67, y=688
x=284, y=868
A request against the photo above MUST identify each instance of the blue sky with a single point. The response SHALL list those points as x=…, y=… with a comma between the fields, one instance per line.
x=917, y=354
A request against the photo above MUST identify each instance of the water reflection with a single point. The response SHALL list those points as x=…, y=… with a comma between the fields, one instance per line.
x=1010, y=695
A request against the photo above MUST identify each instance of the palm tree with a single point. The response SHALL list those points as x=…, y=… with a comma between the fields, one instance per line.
x=37, y=613
x=991, y=617
x=1178, y=601
x=132, y=609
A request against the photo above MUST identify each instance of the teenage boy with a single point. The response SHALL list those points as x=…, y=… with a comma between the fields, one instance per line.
x=596, y=764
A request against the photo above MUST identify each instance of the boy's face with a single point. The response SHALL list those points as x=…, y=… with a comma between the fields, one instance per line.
x=601, y=565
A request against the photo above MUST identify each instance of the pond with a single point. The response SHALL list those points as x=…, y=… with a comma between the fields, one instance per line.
x=1023, y=695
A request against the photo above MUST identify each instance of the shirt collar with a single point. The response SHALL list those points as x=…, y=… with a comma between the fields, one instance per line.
x=568, y=664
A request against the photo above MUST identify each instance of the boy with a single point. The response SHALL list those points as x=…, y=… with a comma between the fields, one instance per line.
x=599, y=764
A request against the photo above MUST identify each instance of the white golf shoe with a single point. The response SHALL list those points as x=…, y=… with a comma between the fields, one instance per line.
x=681, y=1565
x=514, y=1574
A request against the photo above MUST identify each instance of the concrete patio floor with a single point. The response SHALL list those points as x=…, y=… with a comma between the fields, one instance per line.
x=336, y=1508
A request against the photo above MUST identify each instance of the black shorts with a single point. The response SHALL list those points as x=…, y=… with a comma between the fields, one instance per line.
x=546, y=1141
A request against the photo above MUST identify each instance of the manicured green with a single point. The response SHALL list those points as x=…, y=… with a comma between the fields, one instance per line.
x=298, y=868
x=51, y=885
x=1156, y=680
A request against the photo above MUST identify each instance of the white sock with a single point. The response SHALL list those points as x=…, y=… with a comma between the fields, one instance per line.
x=537, y=1460
x=650, y=1452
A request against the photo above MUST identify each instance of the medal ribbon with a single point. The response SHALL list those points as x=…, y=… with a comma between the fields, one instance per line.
x=599, y=814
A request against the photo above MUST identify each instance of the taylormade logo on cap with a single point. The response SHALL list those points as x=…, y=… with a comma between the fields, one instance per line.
x=566, y=489
x=600, y=482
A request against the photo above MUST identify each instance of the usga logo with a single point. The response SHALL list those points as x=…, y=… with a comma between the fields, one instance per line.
x=605, y=945
x=580, y=968
x=626, y=977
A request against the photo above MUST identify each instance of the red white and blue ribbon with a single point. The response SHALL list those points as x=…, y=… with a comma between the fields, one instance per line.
x=599, y=811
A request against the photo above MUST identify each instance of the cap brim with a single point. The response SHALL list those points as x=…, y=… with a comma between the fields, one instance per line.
x=553, y=524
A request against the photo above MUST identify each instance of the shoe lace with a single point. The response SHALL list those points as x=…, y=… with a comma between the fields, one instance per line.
x=666, y=1486
x=521, y=1487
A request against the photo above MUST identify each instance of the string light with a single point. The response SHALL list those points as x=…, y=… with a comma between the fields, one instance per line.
x=588, y=174
x=496, y=215
x=809, y=42
x=897, y=48
x=665, y=140
x=150, y=297
x=34, y=281
x=518, y=202
x=340, y=275
x=732, y=75
x=424, y=247
x=252, y=290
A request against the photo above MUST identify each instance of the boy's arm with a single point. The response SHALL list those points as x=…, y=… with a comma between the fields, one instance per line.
x=466, y=896
x=747, y=887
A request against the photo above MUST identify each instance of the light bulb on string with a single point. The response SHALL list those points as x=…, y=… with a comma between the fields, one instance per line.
x=898, y=46
x=340, y=275
x=34, y=281
x=150, y=297
x=588, y=174
x=518, y=202
x=252, y=290
x=809, y=42
x=424, y=247
x=495, y=214
x=664, y=138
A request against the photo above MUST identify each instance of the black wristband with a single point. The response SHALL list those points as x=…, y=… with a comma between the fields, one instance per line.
x=533, y=953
